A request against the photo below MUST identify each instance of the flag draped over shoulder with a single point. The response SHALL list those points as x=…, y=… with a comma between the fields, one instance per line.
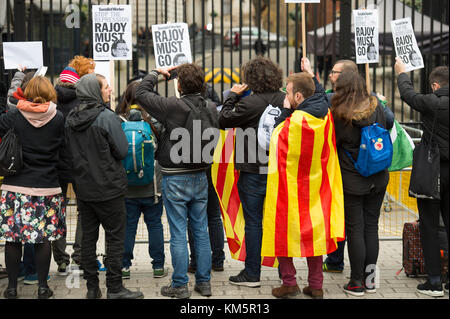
x=304, y=208
x=225, y=177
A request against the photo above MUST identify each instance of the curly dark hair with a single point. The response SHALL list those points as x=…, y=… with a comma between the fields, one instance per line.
x=191, y=78
x=262, y=75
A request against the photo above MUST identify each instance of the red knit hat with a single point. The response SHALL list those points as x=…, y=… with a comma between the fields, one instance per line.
x=69, y=75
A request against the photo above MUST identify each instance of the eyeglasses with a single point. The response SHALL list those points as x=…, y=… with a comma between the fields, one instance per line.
x=335, y=72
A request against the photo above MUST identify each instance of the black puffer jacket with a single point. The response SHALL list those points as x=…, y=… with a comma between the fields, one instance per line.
x=348, y=138
x=67, y=101
x=430, y=106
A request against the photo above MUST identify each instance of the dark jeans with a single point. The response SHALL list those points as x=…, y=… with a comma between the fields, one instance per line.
x=252, y=192
x=111, y=214
x=336, y=258
x=152, y=217
x=429, y=211
x=361, y=224
x=215, y=228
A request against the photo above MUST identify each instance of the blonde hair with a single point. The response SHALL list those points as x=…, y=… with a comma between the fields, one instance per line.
x=40, y=90
x=82, y=65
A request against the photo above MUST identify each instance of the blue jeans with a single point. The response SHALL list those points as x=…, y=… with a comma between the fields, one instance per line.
x=252, y=192
x=152, y=217
x=186, y=197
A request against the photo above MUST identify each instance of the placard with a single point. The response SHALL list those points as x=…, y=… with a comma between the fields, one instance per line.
x=366, y=36
x=111, y=29
x=171, y=44
x=405, y=44
x=24, y=54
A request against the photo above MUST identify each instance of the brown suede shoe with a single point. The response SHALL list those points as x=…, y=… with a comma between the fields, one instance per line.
x=314, y=293
x=286, y=291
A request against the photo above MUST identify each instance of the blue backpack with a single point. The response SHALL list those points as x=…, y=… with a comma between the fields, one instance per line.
x=140, y=161
x=375, y=150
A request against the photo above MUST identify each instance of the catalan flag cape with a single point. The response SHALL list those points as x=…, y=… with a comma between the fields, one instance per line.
x=304, y=208
x=225, y=177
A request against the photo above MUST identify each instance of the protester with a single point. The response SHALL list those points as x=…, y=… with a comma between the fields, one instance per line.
x=33, y=195
x=433, y=109
x=304, y=93
x=67, y=100
x=145, y=199
x=82, y=65
x=98, y=144
x=264, y=78
x=17, y=87
x=184, y=183
x=334, y=263
x=353, y=108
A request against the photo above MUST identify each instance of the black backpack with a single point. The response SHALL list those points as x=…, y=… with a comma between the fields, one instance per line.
x=10, y=154
x=200, y=122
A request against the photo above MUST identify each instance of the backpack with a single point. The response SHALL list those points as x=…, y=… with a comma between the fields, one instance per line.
x=375, y=150
x=139, y=163
x=198, y=115
x=266, y=125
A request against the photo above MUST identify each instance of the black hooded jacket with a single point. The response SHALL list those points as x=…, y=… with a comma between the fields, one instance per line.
x=97, y=143
x=67, y=101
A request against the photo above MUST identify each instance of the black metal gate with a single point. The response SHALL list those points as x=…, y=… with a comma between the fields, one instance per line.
x=213, y=25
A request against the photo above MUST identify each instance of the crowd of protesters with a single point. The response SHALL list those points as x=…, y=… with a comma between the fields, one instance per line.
x=70, y=135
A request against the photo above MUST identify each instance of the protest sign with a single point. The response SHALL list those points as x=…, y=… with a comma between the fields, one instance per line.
x=405, y=44
x=366, y=36
x=111, y=27
x=23, y=54
x=171, y=44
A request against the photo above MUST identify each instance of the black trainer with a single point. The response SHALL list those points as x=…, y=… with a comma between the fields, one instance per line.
x=354, y=288
x=94, y=293
x=430, y=290
x=10, y=293
x=242, y=279
x=125, y=293
x=44, y=293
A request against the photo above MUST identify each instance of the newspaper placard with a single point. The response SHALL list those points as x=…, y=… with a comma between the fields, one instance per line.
x=405, y=44
x=23, y=54
x=366, y=36
x=171, y=44
x=111, y=29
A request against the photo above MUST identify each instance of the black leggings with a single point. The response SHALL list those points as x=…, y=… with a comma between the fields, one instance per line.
x=361, y=226
x=13, y=255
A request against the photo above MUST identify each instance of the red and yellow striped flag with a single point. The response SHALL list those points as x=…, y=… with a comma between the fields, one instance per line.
x=225, y=177
x=304, y=208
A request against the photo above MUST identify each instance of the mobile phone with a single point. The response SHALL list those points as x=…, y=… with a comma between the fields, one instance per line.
x=173, y=75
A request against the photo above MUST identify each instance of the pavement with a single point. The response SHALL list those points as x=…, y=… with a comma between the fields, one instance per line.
x=391, y=285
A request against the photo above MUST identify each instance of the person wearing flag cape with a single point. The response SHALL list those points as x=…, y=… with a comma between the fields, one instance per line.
x=304, y=208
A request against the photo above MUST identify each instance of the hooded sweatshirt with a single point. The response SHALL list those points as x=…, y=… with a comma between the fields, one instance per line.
x=97, y=144
x=40, y=128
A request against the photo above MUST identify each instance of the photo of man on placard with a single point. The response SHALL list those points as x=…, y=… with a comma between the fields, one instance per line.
x=119, y=49
x=371, y=52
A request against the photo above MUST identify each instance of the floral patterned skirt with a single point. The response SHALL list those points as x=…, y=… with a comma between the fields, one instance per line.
x=31, y=219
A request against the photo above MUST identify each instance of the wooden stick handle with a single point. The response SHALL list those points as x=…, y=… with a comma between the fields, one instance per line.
x=304, y=30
